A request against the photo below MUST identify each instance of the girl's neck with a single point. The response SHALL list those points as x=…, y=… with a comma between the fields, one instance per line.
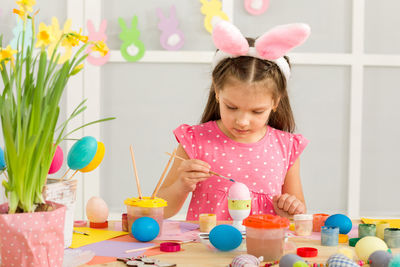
x=248, y=140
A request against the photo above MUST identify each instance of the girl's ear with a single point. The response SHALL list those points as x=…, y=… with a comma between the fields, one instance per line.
x=276, y=104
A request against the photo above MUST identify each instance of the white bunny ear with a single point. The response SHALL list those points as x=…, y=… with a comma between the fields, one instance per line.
x=281, y=39
x=228, y=38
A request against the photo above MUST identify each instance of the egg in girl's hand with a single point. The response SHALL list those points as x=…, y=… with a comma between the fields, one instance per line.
x=96, y=210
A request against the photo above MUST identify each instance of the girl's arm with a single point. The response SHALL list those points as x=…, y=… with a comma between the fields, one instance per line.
x=292, y=199
x=181, y=180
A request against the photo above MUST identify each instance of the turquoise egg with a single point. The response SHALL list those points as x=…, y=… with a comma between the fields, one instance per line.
x=339, y=220
x=82, y=153
x=225, y=237
x=145, y=229
x=2, y=161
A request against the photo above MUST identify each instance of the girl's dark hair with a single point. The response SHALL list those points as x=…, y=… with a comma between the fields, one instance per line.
x=252, y=70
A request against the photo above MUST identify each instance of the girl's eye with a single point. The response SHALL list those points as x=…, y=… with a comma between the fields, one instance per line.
x=258, y=112
x=232, y=108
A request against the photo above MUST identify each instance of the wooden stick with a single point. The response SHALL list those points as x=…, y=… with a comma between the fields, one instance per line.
x=162, y=175
x=136, y=175
x=73, y=175
x=5, y=174
x=214, y=173
x=65, y=174
x=157, y=246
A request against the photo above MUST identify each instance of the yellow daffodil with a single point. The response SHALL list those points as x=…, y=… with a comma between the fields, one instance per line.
x=73, y=38
x=26, y=5
x=7, y=54
x=45, y=35
x=77, y=69
x=20, y=13
x=100, y=47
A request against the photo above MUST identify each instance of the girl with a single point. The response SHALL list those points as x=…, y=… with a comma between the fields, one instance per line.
x=245, y=131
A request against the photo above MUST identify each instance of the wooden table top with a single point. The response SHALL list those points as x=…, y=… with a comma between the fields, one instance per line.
x=198, y=254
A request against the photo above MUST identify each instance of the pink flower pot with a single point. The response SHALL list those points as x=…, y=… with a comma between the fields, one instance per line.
x=32, y=239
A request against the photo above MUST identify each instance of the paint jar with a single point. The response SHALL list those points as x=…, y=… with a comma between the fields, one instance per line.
x=392, y=237
x=145, y=207
x=207, y=222
x=125, y=222
x=329, y=236
x=303, y=224
x=319, y=221
x=366, y=229
x=265, y=235
x=380, y=228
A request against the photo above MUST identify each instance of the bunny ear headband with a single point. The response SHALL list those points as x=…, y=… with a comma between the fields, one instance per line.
x=272, y=45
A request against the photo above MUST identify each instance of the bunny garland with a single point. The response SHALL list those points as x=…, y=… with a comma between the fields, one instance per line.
x=212, y=9
x=132, y=48
x=97, y=36
x=172, y=37
x=272, y=45
x=256, y=7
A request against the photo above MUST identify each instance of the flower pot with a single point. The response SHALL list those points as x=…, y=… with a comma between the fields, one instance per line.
x=32, y=239
x=63, y=193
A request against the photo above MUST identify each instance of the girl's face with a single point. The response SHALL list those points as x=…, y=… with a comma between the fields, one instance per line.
x=244, y=110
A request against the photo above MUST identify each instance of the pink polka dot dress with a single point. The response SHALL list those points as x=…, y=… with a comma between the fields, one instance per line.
x=262, y=166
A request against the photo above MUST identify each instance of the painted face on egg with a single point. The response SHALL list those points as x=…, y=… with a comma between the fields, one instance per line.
x=245, y=109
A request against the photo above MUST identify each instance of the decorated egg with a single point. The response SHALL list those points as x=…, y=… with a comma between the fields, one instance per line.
x=368, y=245
x=97, y=158
x=339, y=220
x=395, y=262
x=145, y=229
x=96, y=210
x=290, y=260
x=2, y=161
x=340, y=260
x=57, y=160
x=239, y=191
x=246, y=260
x=380, y=258
x=82, y=153
x=225, y=237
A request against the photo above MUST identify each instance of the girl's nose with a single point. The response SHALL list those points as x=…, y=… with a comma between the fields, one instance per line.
x=242, y=121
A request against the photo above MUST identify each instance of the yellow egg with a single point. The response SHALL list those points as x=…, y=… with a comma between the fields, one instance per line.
x=96, y=210
x=368, y=245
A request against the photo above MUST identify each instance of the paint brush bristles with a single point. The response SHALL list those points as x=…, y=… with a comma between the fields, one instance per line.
x=212, y=172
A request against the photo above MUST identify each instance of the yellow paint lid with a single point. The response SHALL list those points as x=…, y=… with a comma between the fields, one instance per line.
x=146, y=202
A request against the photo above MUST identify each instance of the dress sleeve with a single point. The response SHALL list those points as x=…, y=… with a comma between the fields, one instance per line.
x=184, y=134
x=299, y=143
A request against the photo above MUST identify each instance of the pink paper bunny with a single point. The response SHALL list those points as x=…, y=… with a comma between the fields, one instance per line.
x=97, y=36
x=172, y=37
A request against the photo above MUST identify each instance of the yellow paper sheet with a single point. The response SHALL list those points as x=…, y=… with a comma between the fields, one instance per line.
x=394, y=223
x=95, y=235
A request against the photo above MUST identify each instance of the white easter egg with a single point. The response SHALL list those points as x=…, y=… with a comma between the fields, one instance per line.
x=96, y=210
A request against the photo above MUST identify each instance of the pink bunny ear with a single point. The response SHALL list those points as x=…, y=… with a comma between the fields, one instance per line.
x=280, y=40
x=228, y=38
x=90, y=26
x=103, y=26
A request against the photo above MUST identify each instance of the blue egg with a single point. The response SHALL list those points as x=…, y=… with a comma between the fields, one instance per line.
x=225, y=237
x=145, y=229
x=339, y=220
x=2, y=161
x=82, y=153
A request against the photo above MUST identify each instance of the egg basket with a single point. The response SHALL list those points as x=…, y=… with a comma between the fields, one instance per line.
x=63, y=192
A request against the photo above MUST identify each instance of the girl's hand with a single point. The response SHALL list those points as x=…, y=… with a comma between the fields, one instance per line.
x=192, y=171
x=286, y=205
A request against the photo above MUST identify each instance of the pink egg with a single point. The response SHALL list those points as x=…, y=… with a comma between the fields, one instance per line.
x=239, y=191
x=96, y=210
x=57, y=160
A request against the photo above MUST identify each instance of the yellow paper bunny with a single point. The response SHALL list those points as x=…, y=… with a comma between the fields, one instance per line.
x=210, y=9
